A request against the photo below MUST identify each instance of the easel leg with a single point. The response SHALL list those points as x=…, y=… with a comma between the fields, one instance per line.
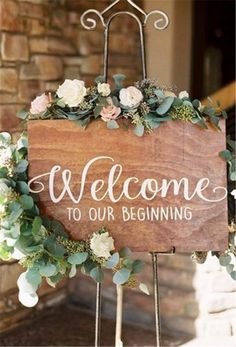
x=156, y=298
x=119, y=314
x=98, y=315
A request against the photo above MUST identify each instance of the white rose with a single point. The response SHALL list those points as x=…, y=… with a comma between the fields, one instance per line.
x=130, y=96
x=183, y=94
x=102, y=245
x=104, y=89
x=72, y=92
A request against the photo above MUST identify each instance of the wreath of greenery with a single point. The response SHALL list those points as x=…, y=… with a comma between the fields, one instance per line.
x=41, y=245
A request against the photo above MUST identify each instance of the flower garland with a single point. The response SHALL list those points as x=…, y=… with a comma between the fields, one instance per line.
x=42, y=245
x=145, y=105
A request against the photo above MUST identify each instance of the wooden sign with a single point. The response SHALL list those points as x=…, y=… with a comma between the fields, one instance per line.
x=161, y=190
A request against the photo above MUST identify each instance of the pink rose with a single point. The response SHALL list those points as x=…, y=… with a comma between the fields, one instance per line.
x=110, y=112
x=40, y=104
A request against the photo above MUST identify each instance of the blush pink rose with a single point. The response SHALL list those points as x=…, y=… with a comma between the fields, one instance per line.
x=40, y=104
x=110, y=112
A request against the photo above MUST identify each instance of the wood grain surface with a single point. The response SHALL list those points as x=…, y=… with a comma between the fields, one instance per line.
x=175, y=150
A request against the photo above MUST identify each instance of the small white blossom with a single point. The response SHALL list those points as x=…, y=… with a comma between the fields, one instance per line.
x=233, y=193
x=17, y=254
x=104, y=89
x=5, y=191
x=5, y=139
x=5, y=155
x=102, y=245
x=28, y=299
x=24, y=285
x=10, y=241
x=72, y=92
x=183, y=94
x=130, y=96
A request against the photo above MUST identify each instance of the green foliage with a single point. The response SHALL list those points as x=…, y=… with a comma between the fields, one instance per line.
x=112, y=261
x=139, y=130
x=121, y=276
x=97, y=274
x=78, y=258
x=112, y=124
x=165, y=106
x=158, y=105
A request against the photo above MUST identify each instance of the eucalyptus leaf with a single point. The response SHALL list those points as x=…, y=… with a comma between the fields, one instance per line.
x=78, y=258
x=73, y=271
x=22, y=187
x=15, y=215
x=112, y=124
x=37, y=223
x=97, y=111
x=128, y=263
x=88, y=265
x=139, y=130
x=165, y=105
x=58, y=228
x=231, y=143
x=119, y=78
x=143, y=287
x=225, y=259
x=229, y=268
x=48, y=270
x=100, y=79
x=159, y=93
x=233, y=176
x=233, y=275
x=224, y=114
x=34, y=277
x=226, y=155
x=112, y=261
x=26, y=201
x=22, y=114
x=21, y=166
x=196, y=103
x=125, y=252
x=53, y=247
x=121, y=276
x=97, y=274
x=138, y=266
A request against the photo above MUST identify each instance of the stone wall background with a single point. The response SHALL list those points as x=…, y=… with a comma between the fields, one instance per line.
x=41, y=44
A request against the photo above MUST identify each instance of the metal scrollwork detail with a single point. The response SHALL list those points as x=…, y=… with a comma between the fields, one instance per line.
x=90, y=23
x=161, y=23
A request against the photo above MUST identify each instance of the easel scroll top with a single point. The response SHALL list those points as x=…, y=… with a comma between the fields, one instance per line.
x=141, y=18
x=90, y=23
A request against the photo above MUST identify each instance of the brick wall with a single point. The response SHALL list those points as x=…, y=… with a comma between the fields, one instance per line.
x=41, y=44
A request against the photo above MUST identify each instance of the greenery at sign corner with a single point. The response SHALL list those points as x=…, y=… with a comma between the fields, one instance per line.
x=158, y=106
x=227, y=258
x=48, y=251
